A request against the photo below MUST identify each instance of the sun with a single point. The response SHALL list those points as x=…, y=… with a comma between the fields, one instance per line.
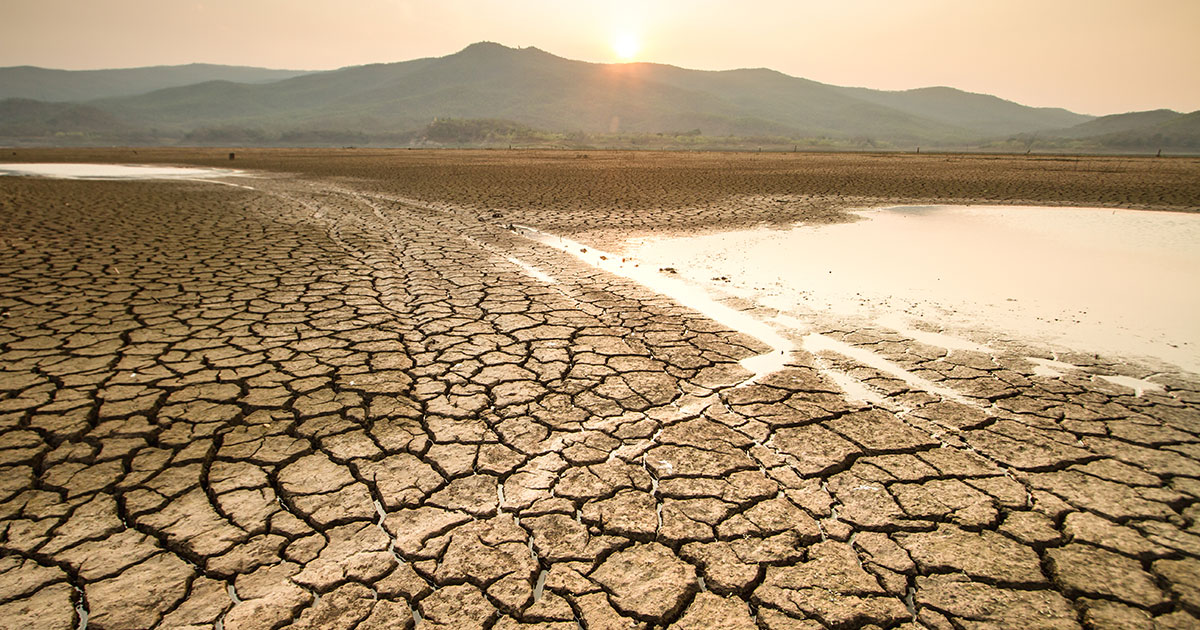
x=626, y=46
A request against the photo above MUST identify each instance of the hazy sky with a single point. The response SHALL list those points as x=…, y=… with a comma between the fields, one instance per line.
x=1091, y=56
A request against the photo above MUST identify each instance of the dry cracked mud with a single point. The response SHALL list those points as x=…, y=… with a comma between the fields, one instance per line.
x=327, y=403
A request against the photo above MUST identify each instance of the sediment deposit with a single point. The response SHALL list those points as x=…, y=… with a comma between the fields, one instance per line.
x=339, y=398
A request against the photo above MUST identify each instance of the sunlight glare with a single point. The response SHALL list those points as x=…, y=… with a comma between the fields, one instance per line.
x=625, y=46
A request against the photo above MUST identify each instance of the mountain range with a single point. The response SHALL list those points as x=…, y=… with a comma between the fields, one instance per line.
x=491, y=94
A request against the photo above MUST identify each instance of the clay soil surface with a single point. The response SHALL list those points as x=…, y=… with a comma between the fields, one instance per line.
x=345, y=393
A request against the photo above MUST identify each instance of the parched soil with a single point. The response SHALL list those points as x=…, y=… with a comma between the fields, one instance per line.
x=607, y=192
x=339, y=399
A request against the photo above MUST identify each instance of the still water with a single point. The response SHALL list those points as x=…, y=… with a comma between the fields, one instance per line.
x=112, y=171
x=1121, y=282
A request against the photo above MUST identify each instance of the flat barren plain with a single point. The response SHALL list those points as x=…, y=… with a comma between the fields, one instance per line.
x=343, y=392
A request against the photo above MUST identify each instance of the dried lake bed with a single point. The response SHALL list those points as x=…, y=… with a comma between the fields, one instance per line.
x=392, y=389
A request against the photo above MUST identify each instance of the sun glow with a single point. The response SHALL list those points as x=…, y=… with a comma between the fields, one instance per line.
x=626, y=46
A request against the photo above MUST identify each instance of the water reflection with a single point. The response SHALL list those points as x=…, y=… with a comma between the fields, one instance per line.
x=1098, y=280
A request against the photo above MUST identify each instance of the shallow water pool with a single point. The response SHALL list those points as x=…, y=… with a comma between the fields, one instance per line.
x=112, y=171
x=1090, y=279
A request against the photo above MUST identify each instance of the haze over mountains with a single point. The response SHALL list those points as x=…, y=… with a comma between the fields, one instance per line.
x=488, y=94
x=84, y=85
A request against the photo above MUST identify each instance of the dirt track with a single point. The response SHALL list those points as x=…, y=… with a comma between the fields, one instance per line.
x=334, y=400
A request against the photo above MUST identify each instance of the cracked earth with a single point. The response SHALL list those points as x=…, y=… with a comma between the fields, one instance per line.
x=313, y=404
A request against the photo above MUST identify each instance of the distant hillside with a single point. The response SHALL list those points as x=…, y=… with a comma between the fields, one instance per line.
x=60, y=122
x=1118, y=123
x=488, y=94
x=1149, y=131
x=539, y=90
x=44, y=84
x=1184, y=125
x=984, y=113
x=761, y=101
x=1180, y=132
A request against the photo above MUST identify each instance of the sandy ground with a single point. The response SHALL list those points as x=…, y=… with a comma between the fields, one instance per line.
x=345, y=398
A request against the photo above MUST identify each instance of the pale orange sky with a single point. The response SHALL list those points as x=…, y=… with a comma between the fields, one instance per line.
x=1090, y=56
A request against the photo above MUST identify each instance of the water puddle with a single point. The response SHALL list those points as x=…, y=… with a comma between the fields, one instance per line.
x=113, y=171
x=81, y=610
x=1138, y=385
x=1049, y=367
x=1117, y=282
x=539, y=587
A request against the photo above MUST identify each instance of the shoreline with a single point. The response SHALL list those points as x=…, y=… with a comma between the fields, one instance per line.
x=1073, y=278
